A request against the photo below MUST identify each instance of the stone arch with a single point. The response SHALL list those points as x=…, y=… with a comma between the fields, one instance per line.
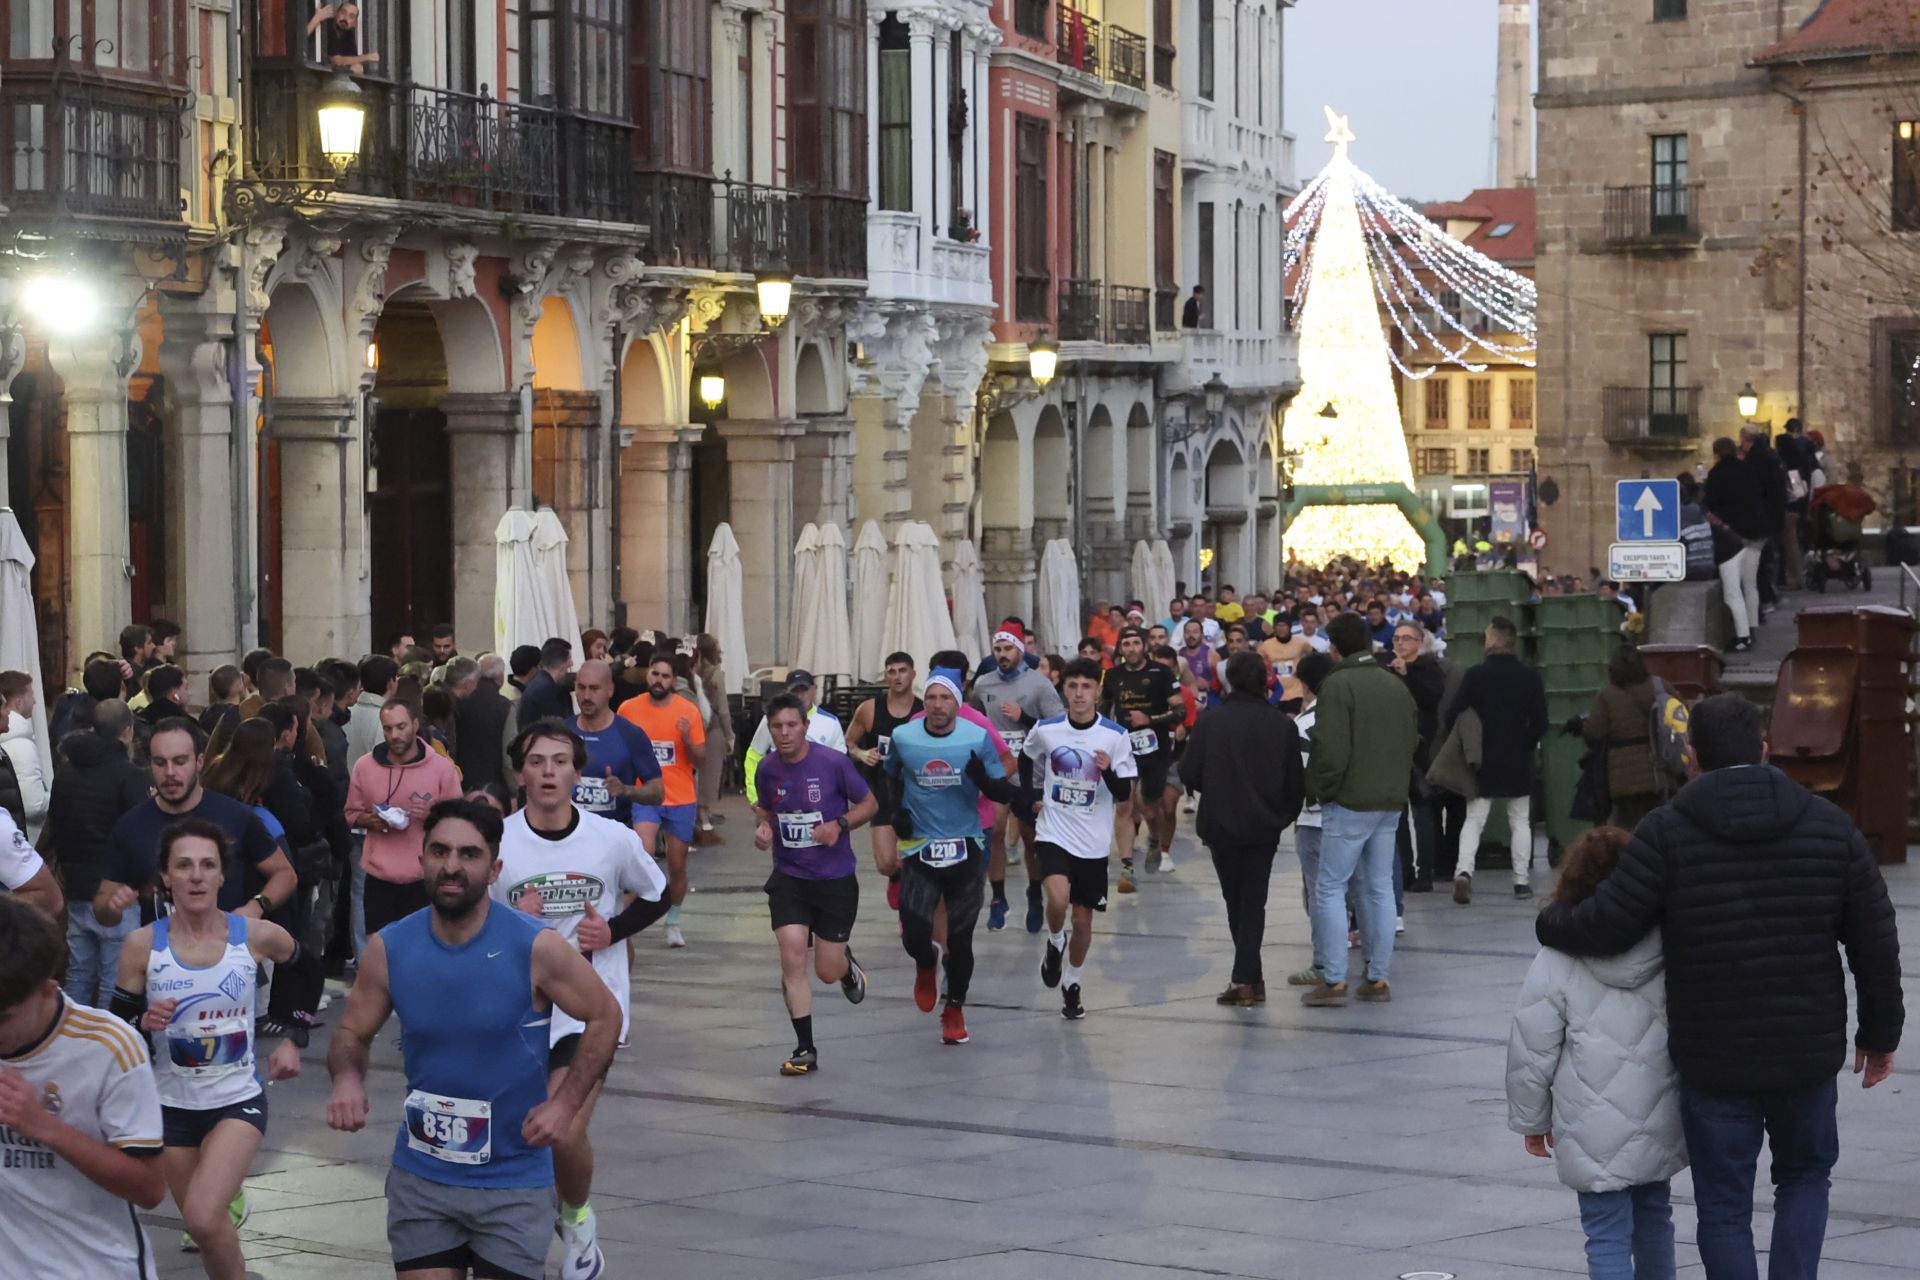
x=475, y=362
x=749, y=386
x=1182, y=533
x=1140, y=456
x=646, y=384
x=1226, y=474
x=1050, y=475
x=812, y=389
x=301, y=342
x=1266, y=517
x=1227, y=530
x=559, y=362
x=1097, y=470
x=1001, y=476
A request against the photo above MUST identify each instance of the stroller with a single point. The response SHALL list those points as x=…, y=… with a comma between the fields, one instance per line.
x=1835, y=555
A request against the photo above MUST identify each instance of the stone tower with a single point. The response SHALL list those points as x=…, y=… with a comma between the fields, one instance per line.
x=1514, y=104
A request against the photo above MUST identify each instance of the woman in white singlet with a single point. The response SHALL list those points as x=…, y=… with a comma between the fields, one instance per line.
x=196, y=968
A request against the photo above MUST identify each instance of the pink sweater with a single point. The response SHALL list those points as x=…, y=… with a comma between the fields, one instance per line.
x=416, y=786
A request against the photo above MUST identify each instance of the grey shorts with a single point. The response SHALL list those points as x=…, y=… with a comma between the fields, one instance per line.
x=497, y=1231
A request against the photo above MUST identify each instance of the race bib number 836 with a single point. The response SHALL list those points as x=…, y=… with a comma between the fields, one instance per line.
x=456, y=1130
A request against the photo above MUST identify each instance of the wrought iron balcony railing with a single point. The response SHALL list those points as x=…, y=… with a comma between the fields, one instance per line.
x=1128, y=311
x=1652, y=215
x=1080, y=311
x=89, y=151
x=1078, y=41
x=1126, y=57
x=1650, y=415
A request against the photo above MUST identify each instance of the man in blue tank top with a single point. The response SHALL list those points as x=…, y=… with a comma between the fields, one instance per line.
x=471, y=1189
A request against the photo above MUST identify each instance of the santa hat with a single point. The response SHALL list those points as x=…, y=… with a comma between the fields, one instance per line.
x=1010, y=633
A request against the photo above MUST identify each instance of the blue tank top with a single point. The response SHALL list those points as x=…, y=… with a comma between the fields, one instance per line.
x=475, y=1048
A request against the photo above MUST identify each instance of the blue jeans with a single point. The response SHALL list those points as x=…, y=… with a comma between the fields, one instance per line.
x=1629, y=1233
x=1306, y=843
x=93, y=949
x=357, y=907
x=1723, y=1144
x=1354, y=843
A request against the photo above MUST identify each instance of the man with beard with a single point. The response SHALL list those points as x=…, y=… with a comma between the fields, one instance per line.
x=1144, y=698
x=1015, y=697
x=472, y=1183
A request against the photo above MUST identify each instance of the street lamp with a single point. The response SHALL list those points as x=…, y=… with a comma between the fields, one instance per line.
x=1749, y=401
x=1043, y=358
x=713, y=390
x=343, y=116
x=61, y=303
x=1216, y=394
x=773, y=288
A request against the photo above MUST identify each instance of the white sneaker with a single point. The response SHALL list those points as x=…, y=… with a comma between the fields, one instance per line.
x=675, y=938
x=583, y=1261
x=1166, y=863
x=1399, y=925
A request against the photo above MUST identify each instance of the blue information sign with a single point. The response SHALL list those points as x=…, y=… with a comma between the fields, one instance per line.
x=1647, y=510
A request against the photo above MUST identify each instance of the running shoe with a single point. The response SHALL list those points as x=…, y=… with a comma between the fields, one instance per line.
x=926, y=987
x=1036, y=915
x=1126, y=876
x=675, y=938
x=1070, y=1007
x=1050, y=966
x=953, y=1025
x=1399, y=925
x=1374, y=992
x=997, y=915
x=854, y=984
x=893, y=892
x=1166, y=862
x=1309, y=977
x=237, y=1209
x=583, y=1260
x=801, y=1062
x=1523, y=891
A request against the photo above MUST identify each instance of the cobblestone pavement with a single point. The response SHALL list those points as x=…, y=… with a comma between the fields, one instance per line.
x=1162, y=1136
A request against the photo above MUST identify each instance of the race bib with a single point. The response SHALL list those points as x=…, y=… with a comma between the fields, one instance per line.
x=1016, y=740
x=665, y=752
x=207, y=1049
x=943, y=853
x=456, y=1130
x=885, y=743
x=796, y=829
x=592, y=794
x=1145, y=741
x=1283, y=669
x=1071, y=793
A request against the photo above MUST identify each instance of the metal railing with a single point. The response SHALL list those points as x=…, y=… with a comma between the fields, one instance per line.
x=1166, y=309
x=1652, y=214
x=596, y=169
x=1078, y=41
x=91, y=152
x=1080, y=311
x=1126, y=57
x=1032, y=291
x=675, y=214
x=1129, y=309
x=1632, y=415
x=814, y=235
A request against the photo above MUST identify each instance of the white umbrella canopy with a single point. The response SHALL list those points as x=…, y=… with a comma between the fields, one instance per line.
x=19, y=629
x=727, y=609
x=1166, y=581
x=1141, y=578
x=917, y=619
x=822, y=638
x=869, y=602
x=1060, y=627
x=532, y=594
x=972, y=632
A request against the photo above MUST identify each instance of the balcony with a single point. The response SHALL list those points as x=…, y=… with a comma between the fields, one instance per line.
x=1080, y=311
x=1128, y=313
x=905, y=260
x=1031, y=294
x=1652, y=217
x=91, y=152
x=1651, y=419
x=1127, y=58
x=1199, y=132
x=676, y=214
x=821, y=236
x=1078, y=41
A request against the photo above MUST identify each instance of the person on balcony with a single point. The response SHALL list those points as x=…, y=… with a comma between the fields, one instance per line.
x=1193, y=315
x=341, y=42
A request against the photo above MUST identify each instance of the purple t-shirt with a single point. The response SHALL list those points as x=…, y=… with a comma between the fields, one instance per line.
x=821, y=788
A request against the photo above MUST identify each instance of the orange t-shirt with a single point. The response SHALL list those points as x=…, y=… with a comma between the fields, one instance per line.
x=661, y=725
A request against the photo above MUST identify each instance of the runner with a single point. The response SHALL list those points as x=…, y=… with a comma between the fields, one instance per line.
x=79, y=1120
x=1085, y=768
x=24, y=873
x=472, y=1186
x=571, y=868
x=943, y=765
x=810, y=798
x=680, y=746
x=1144, y=697
x=823, y=726
x=189, y=979
x=1015, y=697
x=1201, y=661
x=621, y=770
x=876, y=719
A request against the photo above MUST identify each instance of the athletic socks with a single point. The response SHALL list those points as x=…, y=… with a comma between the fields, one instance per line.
x=1059, y=941
x=673, y=915
x=1070, y=975
x=999, y=890
x=573, y=1215
x=803, y=1031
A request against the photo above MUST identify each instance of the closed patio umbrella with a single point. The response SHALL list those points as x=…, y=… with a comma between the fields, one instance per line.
x=726, y=609
x=532, y=594
x=19, y=628
x=1059, y=585
x=869, y=602
x=822, y=637
x=1165, y=580
x=971, y=629
x=917, y=619
x=1142, y=578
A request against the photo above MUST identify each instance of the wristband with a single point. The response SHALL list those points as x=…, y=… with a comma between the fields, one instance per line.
x=266, y=904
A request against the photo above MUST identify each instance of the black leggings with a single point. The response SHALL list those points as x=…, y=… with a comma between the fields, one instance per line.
x=962, y=887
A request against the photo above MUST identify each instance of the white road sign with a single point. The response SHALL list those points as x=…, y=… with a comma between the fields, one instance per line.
x=1647, y=561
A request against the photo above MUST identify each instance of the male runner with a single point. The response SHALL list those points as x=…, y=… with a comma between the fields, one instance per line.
x=572, y=868
x=823, y=726
x=1085, y=768
x=471, y=1189
x=943, y=765
x=680, y=746
x=875, y=720
x=810, y=798
x=621, y=769
x=79, y=1119
x=1144, y=698
x=1014, y=697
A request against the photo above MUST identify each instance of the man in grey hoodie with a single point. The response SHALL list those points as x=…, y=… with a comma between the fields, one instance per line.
x=1015, y=697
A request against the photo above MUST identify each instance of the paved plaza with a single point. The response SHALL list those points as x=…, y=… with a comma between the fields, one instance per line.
x=1162, y=1136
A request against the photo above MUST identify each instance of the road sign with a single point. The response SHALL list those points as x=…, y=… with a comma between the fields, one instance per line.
x=1647, y=561
x=1537, y=539
x=1647, y=510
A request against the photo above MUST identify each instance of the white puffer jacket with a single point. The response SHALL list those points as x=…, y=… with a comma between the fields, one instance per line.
x=36, y=787
x=1587, y=1061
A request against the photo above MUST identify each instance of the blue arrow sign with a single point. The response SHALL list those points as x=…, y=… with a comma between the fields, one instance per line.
x=1647, y=510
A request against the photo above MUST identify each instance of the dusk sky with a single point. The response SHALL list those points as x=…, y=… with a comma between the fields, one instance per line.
x=1416, y=78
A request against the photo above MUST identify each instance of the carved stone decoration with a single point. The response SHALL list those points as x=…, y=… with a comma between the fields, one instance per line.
x=645, y=309
x=533, y=279
x=366, y=291
x=820, y=317
x=315, y=253
x=264, y=241
x=962, y=352
x=13, y=357
x=461, y=257
x=898, y=342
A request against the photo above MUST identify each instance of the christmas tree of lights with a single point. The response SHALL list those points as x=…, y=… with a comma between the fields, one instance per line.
x=1354, y=252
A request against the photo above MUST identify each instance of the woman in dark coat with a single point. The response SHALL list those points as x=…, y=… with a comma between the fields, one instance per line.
x=1622, y=720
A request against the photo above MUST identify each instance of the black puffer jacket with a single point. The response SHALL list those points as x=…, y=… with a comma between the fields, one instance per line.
x=1244, y=759
x=1755, y=883
x=95, y=784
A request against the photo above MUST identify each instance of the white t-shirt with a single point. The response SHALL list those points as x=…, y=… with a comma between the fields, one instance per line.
x=92, y=1071
x=1076, y=809
x=595, y=862
x=18, y=861
x=1303, y=724
x=1318, y=640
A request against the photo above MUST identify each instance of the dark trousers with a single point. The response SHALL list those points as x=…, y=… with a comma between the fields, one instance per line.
x=1451, y=811
x=387, y=902
x=962, y=887
x=1244, y=872
x=1417, y=840
x=1723, y=1143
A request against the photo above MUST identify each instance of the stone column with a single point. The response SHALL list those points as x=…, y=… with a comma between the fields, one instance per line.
x=482, y=430
x=956, y=506
x=882, y=490
x=324, y=603
x=656, y=528
x=823, y=474
x=1007, y=564
x=934, y=222
x=760, y=473
x=920, y=41
x=207, y=516
x=567, y=457
x=100, y=553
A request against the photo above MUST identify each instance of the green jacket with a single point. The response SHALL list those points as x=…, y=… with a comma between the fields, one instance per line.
x=1363, y=738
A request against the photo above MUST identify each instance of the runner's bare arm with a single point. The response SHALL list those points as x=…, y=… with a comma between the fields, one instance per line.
x=368, y=1007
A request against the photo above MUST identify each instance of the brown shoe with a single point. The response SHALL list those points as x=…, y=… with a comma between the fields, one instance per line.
x=1328, y=995
x=1374, y=992
x=1238, y=996
x=1259, y=993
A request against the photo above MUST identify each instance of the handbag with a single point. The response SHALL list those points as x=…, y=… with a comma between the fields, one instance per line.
x=1592, y=802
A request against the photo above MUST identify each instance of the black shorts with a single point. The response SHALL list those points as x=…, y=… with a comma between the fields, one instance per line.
x=184, y=1127
x=1086, y=877
x=826, y=907
x=563, y=1051
x=885, y=794
x=1153, y=769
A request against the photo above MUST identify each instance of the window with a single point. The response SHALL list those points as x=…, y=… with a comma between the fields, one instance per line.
x=957, y=122
x=1896, y=376
x=1669, y=195
x=1163, y=43
x=1234, y=265
x=1205, y=68
x=896, y=115
x=1438, y=392
x=1203, y=267
x=1906, y=176
x=1479, y=403
x=673, y=86
x=1259, y=276
x=1436, y=462
x=1450, y=304
x=1667, y=399
x=1164, y=286
x=463, y=75
x=1032, y=138
x=573, y=54
x=1030, y=18
x=826, y=96
x=1501, y=232
x=1479, y=461
x=1669, y=10
x=1519, y=459
x=124, y=39
x=1240, y=56
x=1520, y=403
